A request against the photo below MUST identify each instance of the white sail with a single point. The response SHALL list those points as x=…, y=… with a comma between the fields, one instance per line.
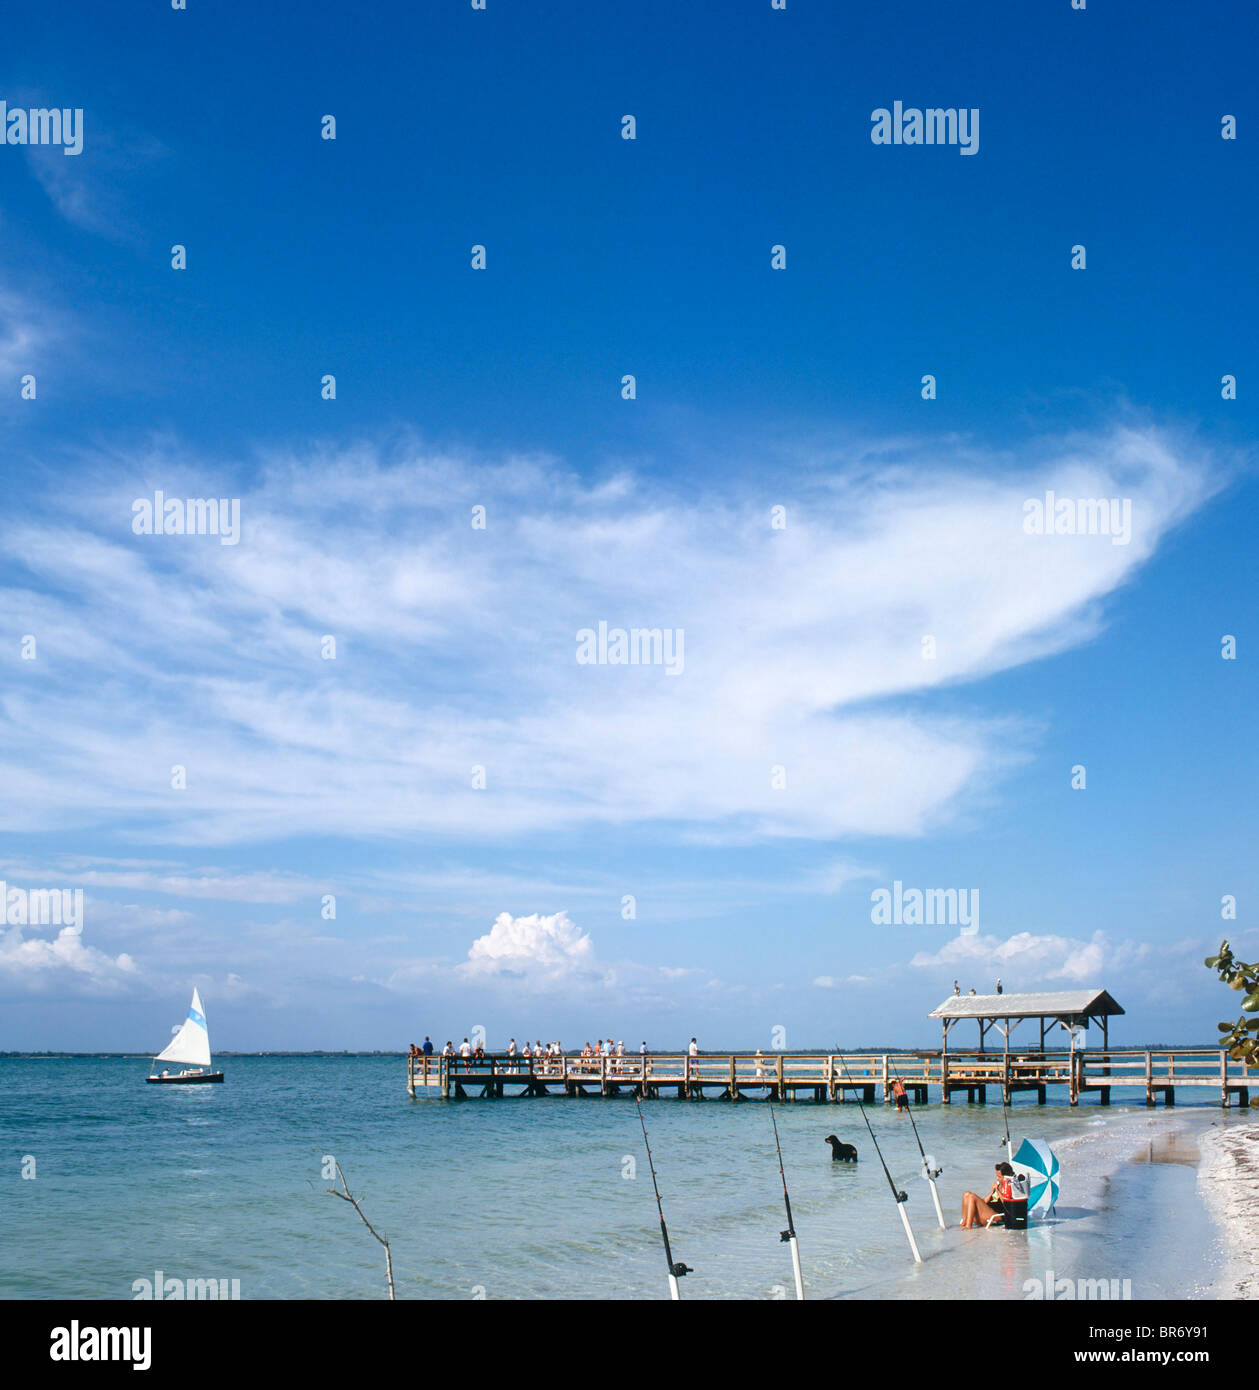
x=191, y=1045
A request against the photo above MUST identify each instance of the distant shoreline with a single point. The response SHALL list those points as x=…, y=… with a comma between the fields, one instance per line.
x=1211, y=1046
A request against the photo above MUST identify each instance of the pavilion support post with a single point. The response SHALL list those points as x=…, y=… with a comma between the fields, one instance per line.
x=1005, y=1065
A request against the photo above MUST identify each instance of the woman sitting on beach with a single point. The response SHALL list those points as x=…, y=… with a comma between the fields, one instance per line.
x=989, y=1211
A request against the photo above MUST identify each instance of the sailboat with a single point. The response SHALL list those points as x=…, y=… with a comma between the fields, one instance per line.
x=191, y=1048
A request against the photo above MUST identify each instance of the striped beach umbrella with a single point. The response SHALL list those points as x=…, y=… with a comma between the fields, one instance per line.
x=1040, y=1163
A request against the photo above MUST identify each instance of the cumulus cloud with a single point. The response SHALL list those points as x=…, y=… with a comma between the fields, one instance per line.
x=1024, y=958
x=40, y=964
x=537, y=947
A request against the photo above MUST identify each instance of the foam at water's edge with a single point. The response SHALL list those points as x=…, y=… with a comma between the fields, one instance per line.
x=1228, y=1179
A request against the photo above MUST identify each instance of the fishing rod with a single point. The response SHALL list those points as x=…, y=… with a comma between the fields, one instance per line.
x=676, y=1271
x=1005, y=1115
x=789, y=1234
x=930, y=1170
x=900, y=1197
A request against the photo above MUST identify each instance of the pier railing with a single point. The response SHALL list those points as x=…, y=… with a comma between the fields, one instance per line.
x=836, y=1076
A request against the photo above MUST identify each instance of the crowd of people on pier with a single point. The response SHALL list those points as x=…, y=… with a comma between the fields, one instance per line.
x=549, y=1057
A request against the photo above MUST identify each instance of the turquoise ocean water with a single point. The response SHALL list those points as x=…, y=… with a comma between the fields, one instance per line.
x=547, y=1198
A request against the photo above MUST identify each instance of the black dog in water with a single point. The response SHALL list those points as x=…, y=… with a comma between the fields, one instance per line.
x=841, y=1153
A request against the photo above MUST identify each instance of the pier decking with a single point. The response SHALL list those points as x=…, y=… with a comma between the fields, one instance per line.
x=835, y=1077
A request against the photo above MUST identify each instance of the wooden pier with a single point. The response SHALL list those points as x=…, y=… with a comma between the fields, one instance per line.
x=835, y=1077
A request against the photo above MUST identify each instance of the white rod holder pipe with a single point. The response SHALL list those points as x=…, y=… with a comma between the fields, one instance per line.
x=913, y=1244
x=795, y=1264
x=939, y=1212
x=674, y=1292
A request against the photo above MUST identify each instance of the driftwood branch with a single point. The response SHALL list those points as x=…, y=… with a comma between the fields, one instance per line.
x=348, y=1196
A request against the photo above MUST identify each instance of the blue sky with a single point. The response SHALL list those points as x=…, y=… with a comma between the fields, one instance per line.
x=501, y=388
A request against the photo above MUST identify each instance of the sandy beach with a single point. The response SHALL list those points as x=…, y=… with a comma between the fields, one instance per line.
x=1228, y=1179
x=1156, y=1204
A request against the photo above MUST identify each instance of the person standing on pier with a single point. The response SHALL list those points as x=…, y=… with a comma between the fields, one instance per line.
x=693, y=1050
x=427, y=1049
x=465, y=1048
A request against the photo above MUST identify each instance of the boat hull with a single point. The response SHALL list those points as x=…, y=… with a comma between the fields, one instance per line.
x=195, y=1079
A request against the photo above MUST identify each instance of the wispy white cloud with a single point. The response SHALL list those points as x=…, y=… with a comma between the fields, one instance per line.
x=173, y=880
x=456, y=647
x=90, y=190
x=25, y=331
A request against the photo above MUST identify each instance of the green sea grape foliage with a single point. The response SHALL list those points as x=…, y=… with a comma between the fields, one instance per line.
x=1241, y=1038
